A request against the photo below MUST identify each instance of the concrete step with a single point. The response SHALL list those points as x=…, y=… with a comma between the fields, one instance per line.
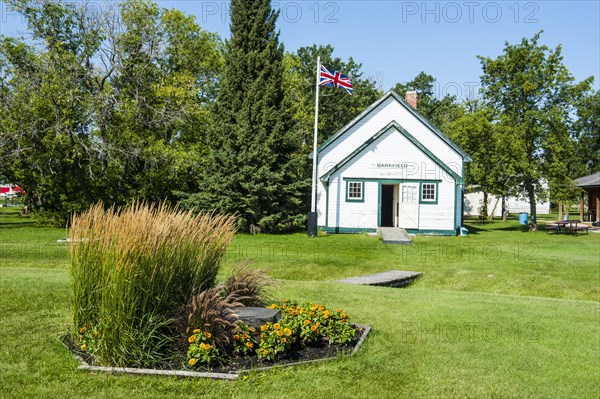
x=394, y=235
x=391, y=278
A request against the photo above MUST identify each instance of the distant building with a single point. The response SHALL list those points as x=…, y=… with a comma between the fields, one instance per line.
x=591, y=184
x=474, y=203
x=10, y=191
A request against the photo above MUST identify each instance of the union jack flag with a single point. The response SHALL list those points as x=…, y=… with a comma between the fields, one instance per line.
x=335, y=79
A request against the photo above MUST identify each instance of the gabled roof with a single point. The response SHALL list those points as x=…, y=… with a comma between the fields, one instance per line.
x=591, y=181
x=401, y=130
x=413, y=111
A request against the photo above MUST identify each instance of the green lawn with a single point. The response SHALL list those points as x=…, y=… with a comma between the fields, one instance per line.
x=530, y=330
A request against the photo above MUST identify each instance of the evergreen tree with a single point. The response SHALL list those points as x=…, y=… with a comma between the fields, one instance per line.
x=252, y=171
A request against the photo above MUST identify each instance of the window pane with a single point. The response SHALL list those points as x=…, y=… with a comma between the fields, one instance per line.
x=354, y=190
x=428, y=192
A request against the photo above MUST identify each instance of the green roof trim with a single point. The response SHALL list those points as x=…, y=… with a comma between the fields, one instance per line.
x=414, y=141
x=413, y=111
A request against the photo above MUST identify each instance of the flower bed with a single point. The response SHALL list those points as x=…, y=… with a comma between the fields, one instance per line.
x=237, y=365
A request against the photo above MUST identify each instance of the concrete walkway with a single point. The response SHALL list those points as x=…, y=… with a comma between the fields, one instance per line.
x=391, y=278
x=394, y=235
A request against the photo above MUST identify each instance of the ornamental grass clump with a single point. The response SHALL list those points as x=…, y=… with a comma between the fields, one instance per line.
x=132, y=269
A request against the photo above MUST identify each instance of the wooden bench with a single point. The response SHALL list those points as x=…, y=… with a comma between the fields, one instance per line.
x=554, y=227
x=577, y=229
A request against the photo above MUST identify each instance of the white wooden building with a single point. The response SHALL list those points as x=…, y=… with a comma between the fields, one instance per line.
x=390, y=167
x=474, y=203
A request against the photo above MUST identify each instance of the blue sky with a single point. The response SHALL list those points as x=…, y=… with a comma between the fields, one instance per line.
x=395, y=40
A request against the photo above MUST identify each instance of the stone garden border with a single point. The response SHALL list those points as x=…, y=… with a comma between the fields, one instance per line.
x=83, y=365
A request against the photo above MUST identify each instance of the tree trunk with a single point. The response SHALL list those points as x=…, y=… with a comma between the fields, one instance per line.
x=532, y=211
x=559, y=210
x=484, y=206
x=504, y=210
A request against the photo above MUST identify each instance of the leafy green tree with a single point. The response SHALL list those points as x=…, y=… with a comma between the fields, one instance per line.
x=488, y=145
x=535, y=94
x=441, y=112
x=587, y=133
x=105, y=106
x=252, y=169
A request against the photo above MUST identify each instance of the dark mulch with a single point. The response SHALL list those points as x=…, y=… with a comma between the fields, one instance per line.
x=307, y=353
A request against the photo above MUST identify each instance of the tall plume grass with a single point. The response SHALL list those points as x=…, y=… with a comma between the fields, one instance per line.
x=132, y=268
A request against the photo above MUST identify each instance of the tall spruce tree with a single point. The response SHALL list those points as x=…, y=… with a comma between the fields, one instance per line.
x=252, y=171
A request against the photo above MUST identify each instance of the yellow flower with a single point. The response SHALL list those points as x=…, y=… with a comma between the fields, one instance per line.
x=252, y=329
x=96, y=333
x=196, y=331
x=192, y=361
x=83, y=347
x=273, y=306
x=306, y=321
x=343, y=315
x=325, y=316
x=82, y=330
x=279, y=332
x=284, y=306
x=313, y=328
x=317, y=324
x=284, y=340
x=245, y=336
x=236, y=337
x=249, y=344
x=338, y=310
x=207, y=334
x=313, y=307
x=276, y=326
x=204, y=346
x=192, y=339
x=287, y=331
x=264, y=327
x=321, y=308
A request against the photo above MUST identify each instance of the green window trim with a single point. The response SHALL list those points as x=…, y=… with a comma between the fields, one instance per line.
x=351, y=184
x=436, y=193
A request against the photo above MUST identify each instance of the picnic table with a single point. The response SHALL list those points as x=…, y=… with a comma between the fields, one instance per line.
x=567, y=226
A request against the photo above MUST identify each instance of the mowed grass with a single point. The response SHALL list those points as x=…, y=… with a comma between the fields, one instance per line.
x=531, y=330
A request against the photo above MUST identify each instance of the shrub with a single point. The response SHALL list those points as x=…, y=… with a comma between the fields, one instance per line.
x=202, y=349
x=310, y=323
x=242, y=337
x=249, y=285
x=275, y=340
x=133, y=267
x=210, y=312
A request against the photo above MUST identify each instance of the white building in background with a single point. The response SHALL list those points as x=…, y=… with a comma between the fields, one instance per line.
x=474, y=202
x=390, y=167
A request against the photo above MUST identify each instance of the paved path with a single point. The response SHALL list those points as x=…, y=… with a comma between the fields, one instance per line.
x=394, y=235
x=391, y=278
